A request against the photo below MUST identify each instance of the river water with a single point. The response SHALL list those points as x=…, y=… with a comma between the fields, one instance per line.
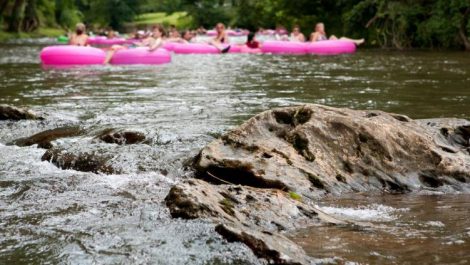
x=53, y=216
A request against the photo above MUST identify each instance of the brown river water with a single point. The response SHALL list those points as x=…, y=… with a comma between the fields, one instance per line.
x=53, y=216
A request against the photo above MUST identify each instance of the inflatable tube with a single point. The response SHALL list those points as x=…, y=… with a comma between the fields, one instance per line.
x=170, y=46
x=284, y=47
x=245, y=49
x=71, y=55
x=63, y=39
x=195, y=48
x=235, y=49
x=100, y=40
x=141, y=56
x=331, y=47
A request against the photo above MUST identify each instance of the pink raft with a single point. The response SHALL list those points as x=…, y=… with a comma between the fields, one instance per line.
x=284, y=47
x=329, y=47
x=74, y=55
x=141, y=56
x=194, y=48
x=103, y=41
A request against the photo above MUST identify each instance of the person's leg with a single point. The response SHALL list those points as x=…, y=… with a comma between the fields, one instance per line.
x=356, y=41
x=333, y=37
x=111, y=53
x=219, y=46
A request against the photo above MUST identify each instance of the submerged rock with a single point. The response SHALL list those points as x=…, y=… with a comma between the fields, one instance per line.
x=315, y=150
x=86, y=162
x=111, y=136
x=14, y=113
x=44, y=139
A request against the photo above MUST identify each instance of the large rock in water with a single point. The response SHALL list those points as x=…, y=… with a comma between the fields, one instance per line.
x=314, y=149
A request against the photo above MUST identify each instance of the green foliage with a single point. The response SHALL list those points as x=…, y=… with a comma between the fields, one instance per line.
x=386, y=23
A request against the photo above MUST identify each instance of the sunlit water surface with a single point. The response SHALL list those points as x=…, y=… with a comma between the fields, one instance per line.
x=48, y=215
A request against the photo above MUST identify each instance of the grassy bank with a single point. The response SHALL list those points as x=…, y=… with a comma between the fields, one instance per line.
x=41, y=32
x=179, y=19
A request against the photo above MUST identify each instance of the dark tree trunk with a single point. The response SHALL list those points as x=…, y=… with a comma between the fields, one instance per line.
x=3, y=5
x=463, y=29
x=31, y=19
x=15, y=18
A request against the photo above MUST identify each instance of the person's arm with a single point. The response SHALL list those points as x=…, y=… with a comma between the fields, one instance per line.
x=302, y=38
x=314, y=37
x=155, y=44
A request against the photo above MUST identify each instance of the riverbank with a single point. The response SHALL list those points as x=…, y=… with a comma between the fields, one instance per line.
x=40, y=33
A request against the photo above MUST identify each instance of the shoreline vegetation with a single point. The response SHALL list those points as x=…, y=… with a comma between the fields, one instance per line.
x=436, y=24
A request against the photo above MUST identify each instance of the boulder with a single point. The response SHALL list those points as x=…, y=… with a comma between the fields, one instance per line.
x=16, y=114
x=44, y=139
x=314, y=150
x=266, y=209
x=112, y=136
x=253, y=216
x=85, y=162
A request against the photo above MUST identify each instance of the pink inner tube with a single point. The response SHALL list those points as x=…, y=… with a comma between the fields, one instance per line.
x=141, y=56
x=284, y=47
x=105, y=41
x=71, y=55
x=170, y=46
x=331, y=47
x=195, y=48
x=245, y=49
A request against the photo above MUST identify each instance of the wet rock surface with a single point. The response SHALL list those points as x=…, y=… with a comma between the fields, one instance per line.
x=16, y=114
x=264, y=176
x=121, y=137
x=84, y=161
x=316, y=150
x=44, y=139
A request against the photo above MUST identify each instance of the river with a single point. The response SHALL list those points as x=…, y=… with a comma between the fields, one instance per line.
x=54, y=216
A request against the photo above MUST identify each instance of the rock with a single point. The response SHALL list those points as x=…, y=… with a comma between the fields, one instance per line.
x=265, y=209
x=44, y=139
x=314, y=150
x=275, y=248
x=111, y=136
x=85, y=162
x=249, y=215
x=14, y=113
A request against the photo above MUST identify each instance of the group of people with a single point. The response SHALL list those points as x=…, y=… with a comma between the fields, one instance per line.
x=318, y=35
x=158, y=36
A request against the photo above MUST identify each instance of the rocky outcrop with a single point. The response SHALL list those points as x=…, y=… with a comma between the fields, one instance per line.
x=112, y=136
x=44, y=139
x=315, y=150
x=16, y=114
x=263, y=176
x=86, y=162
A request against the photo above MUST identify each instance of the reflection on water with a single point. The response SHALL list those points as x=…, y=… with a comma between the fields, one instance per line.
x=394, y=230
x=65, y=216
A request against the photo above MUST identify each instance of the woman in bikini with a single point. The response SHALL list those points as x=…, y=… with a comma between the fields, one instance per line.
x=79, y=37
x=221, y=39
x=152, y=42
x=320, y=35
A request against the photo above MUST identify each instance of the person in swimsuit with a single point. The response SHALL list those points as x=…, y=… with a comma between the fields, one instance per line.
x=320, y=35
x=296, y=35
x=221, y=39
x=152, y=42
x=79, y=38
